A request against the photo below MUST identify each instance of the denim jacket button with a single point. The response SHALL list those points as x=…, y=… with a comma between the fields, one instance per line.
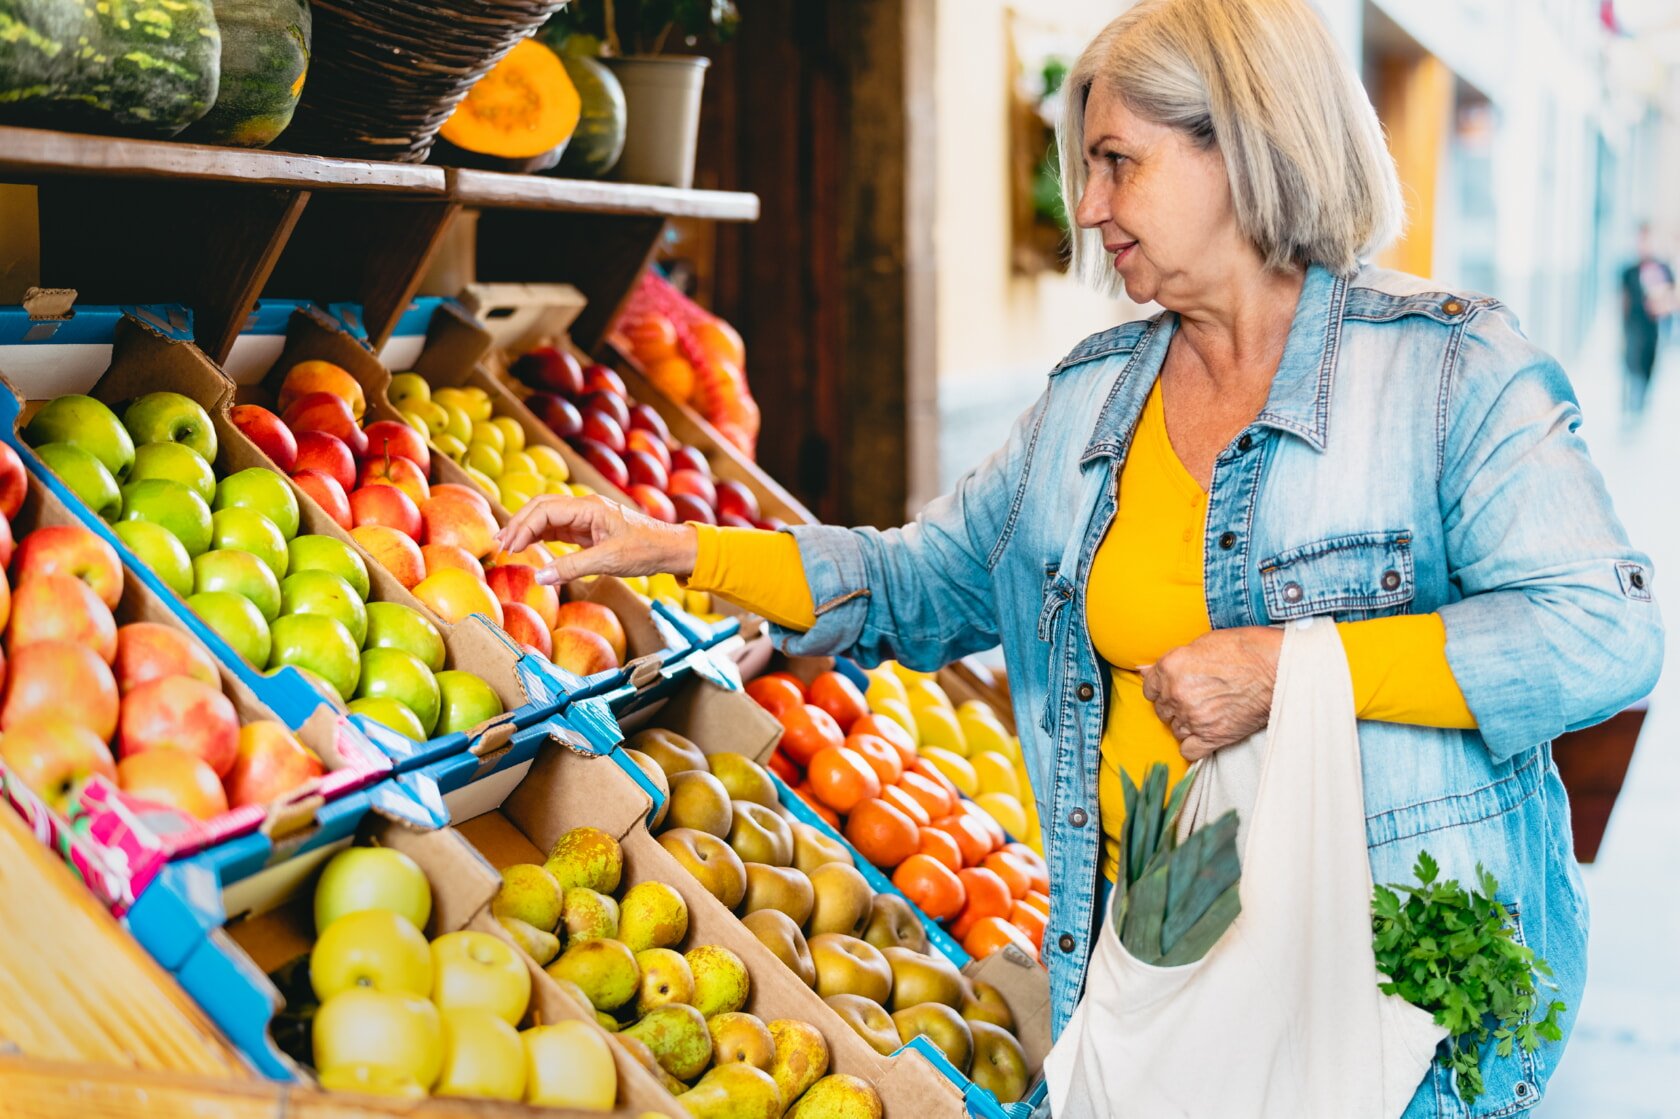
x=1452, y=306
x=1077, y=817
x=1390, y=580
x=1085, y=693
x=1228, y=540
x=1245, y=443
x=1292, y=592
x=1065, y=942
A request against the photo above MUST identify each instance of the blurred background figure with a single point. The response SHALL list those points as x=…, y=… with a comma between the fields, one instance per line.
x=1648, y=301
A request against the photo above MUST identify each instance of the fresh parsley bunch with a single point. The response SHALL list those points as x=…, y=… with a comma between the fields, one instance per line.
x=1452, y=952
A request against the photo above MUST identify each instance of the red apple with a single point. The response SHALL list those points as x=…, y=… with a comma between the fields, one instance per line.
x=644, y=470
x=14, y=482
x=643, y=417
x=454, y=491
x=461, y=523
x=392, y=550
x=517, y=583
x=325, y=491
x=61, y=608
x=174, y=779
x=561, y=416
x=686, y=457
x=610, y=403
x=733, y=497
x=148, y=651
x=317, y=450
x=180, y=713
x=605, y=430
x=440, y=556
x=271, y=763
x=71, y=550
x=597, y=619
x=394, y=470
x=51, y=755
x=653, y=502
x=272, y=437
x=598, y=378
x=393, y=437
x=694, y=484
x=386, y=505
x=690, y=508
x=582, y=651
x=770, y=524
x=61, y=678
x=524, y=625
x=734, y=520
x=638, y=439
x=549, y=368
x=321, y=376
x=604, y=459
x=7, y=545
x=325, y=411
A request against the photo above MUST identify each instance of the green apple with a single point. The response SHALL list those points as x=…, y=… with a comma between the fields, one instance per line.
x=322, y=592
x=519, y=487
x=404, y=677
x=465, y=701
x=449, y=446
x=85, y=475
x=485, y=483
x=324, y=553
x=229, y=569
x=460, y=424
x=266, y=492
x=519, y=462
x=485, y=459
x=406, y=390
x=391, y=625
x=513, y=435
x=550, y=463
x=482, y=971
x=389, y=714
x=490, y=435
x=359, y=878
x=236, y=620
x=88, y=424
x=320, y=644
x=570, y=1065
x=325, y=690
x=397, y=1038
x=175, y=462
x=371, y=948
x=370, y=1080
x=250, y=531
x=157, y=548
x=169, y=417
x=482, y=1057
x=434, y=421
x=172, y=506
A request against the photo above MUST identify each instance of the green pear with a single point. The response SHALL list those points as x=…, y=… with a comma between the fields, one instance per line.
x=539, y=944
x=698, y=800
x=669, y=750
x=868, y=1020
x=530, y=894
x=605, y=970
x=721, y=982
x=665, y=978
x=893, y=924
x=677, y=1034
x=733, y=1091
x=812, y=848
x=943, y=1026
x=801, y=1056
x=777, y=932
x=586, y=857
x=606, y=1021
x=838, y=1097
x=741, y=1037
x=918, y=978
x=652, y=915
x=588, y=915
x=759, y=834
x=778, y=887
x=982, y=1002
x=744, y=778
x=657, y=776
x=573, y=992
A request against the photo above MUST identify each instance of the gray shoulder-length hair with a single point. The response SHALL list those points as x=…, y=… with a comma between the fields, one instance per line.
x=1263, y=81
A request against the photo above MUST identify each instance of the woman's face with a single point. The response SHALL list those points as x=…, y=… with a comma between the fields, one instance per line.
x=1161, y=203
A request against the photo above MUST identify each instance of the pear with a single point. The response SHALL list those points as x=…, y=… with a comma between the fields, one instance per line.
x=982, y=1002
x=918, y=979
x=843, y=900
x=868, y=1020
x=528, y=893
x=801, y=1056
x=663, y=783
x=744, y=779
x=1000, y=1064
x=838, y=1097
x=669, y=750
x=741, y=1037
x=573, y=992
x=589, y=915
x=778, y=887
x=760, y=835
x=721, y=983
x=665, y=978
x=811, y=848
x=677, y=1035
x=606, y=1021
x=638, y=1050
x=586, y=857
x=777, y=932
x=652, y=915
x=849, y=966
x=893, y=924
x=733, y=1091
x=947, y=1029
x=539, y=944
x=699, y=801
x=710, y=860
x=605, y=970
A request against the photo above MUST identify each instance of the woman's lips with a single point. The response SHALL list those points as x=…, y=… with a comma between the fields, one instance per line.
x=1121, y=251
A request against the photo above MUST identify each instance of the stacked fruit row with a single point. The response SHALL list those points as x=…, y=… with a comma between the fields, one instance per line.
x=232, y=547
x=800, y=893
x=679, y=1014
x=903, y=802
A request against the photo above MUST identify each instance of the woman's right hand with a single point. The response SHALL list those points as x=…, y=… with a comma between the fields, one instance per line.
x=615, y=540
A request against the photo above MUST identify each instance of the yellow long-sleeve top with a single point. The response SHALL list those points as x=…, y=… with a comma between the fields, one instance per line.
x=1145, y=597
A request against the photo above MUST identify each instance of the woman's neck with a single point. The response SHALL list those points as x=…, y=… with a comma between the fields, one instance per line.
x=1236, y=333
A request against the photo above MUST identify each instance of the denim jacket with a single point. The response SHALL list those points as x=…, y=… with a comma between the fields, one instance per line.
x=1416, y=453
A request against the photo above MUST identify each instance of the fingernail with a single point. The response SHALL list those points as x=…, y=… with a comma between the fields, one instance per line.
x=548, y=577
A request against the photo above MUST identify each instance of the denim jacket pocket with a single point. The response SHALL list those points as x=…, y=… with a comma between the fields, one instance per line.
x=1361, y=575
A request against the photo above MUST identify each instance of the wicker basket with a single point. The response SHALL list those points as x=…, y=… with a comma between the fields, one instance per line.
x=386, y=74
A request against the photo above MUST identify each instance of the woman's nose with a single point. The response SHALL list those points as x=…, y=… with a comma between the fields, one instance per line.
x=1093, y=208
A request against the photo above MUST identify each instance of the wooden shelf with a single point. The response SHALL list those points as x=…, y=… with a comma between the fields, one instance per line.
x=491, y=190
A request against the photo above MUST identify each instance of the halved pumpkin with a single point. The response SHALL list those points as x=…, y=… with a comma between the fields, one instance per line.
x=524, y=109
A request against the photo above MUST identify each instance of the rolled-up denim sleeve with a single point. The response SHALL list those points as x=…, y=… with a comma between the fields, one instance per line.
x=920, y=594
x=1557, y=627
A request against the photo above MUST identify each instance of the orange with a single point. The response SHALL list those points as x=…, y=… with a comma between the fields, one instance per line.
x=1038, y=901
x=840, y=698
x=719, y=340
x=929, y=794
x=934, y=773
x=1035, y=863
x=883, y=727
x=942, y=845
x=673, y=376
x=1029, y=921
x=971, y=838
x=931, y=886
x=806, y=731
x=986, y=892
x=989, y=934
x=906, y=804
x=882, y=834
x=651, y=336
x=782, y=766
x=1015, y=874
x=809, y=796
x=880, y=755
x=804, y=692
x=993, y=829
x=775, y=694
x=842, y=778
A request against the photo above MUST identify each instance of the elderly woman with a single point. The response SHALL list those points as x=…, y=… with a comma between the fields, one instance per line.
x=1295, y=434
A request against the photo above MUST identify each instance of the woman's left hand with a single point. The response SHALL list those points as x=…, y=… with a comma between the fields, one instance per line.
x=1217, y=690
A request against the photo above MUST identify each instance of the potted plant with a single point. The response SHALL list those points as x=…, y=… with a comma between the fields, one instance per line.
x=661, y=91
